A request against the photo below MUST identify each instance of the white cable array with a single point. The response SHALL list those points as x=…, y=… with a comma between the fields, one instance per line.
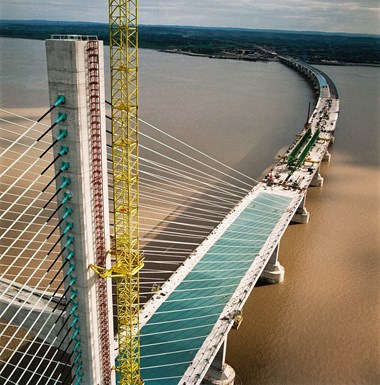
x=169, y=189
x=24, y=134
x=185, y=165
x=169, y=193
x=25, y=229
x=196, y=150
x=31, y=240
x=167, y=202
x=33, y=146
x=197, y=226
x=185, y=186
x=24, y=159
x=200, y=179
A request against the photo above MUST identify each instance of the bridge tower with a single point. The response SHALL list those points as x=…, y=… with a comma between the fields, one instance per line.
x=76, y=70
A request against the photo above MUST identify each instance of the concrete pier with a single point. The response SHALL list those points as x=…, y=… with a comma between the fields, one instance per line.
x=301, y=215
x=220, y=373
x=326, y=157
x=273, y=272
x=317, y=180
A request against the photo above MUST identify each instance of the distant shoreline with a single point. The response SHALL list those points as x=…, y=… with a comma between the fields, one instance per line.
x=221, y=43
x=239, y=58
x=220, y=57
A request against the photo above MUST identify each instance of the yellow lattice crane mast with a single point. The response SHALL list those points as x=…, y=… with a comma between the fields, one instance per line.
x=124, y=93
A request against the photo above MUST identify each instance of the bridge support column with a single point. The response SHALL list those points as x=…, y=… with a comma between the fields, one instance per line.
x=326, y=157
x=220, y=373
x=317, y=180
x=301, y=215
x=273, y=272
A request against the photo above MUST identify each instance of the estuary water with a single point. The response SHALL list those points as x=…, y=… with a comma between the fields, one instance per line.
x=321, y=326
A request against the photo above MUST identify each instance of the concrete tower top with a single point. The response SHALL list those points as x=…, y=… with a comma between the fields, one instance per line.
x=73, y=37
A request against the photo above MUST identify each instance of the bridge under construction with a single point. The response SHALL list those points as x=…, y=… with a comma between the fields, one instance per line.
x=172, y=282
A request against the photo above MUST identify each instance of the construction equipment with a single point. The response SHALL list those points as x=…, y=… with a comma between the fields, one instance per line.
x=124, y=97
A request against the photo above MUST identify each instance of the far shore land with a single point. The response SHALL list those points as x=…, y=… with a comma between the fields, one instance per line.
x=221, y=43
x=263, y=58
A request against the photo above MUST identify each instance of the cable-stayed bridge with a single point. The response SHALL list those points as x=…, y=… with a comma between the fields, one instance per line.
x=207, y=232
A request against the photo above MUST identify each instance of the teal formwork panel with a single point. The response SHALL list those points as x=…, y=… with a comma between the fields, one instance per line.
x=174, y=334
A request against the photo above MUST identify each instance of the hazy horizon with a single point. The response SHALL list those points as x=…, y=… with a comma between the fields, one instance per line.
x=200, y=26
x=333, y=16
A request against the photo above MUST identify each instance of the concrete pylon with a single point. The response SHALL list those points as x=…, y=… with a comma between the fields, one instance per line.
x=68, y=74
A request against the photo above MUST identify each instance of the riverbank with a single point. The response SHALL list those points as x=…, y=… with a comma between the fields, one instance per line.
x=262, y=58
x=223, y=43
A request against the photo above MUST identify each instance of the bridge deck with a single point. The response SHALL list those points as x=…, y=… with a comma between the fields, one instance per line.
x=176, y=331
x=184, y=325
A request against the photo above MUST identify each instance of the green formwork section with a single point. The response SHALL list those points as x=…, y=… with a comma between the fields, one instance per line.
x=174, y=334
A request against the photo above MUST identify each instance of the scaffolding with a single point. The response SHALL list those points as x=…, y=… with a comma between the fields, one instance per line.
x=124, y=96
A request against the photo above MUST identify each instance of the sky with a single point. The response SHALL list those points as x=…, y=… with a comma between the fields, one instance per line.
x=301, y=15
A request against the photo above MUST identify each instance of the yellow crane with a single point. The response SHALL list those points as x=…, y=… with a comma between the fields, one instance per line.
x=123, y=20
